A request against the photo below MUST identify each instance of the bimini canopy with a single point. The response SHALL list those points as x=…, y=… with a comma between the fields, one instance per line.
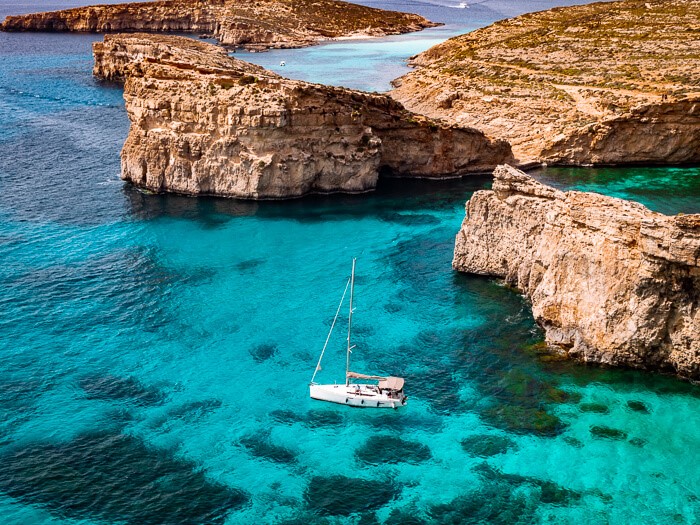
x=355, y=375
x=392, y=383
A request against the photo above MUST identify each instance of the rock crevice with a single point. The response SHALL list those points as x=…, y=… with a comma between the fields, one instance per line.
x=610, y=281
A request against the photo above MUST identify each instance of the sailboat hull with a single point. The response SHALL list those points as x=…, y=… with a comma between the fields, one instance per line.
x=357, y=395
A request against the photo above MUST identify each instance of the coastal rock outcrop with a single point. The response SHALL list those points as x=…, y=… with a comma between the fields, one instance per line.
x=603, y=83
x=205, y=123
x=256, y=24
x=610, y=281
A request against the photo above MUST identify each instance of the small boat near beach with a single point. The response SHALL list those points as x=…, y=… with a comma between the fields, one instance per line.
x=382, y=392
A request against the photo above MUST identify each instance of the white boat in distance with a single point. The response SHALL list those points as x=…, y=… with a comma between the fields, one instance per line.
x=384, y=392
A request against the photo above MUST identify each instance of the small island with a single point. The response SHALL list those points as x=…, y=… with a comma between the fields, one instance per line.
x=608, y=83
x=253, y=24
x=610, y=281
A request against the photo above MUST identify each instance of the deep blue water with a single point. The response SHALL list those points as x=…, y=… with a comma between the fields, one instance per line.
x=156, y=350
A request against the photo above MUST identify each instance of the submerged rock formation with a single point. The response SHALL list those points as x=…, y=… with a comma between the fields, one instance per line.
x=604, y=83
x=610, y=281
x=258, y=24
x=205, y=123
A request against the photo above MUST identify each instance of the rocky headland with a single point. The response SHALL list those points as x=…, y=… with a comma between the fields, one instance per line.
x=204, y=123
x=255, y=24
x=609, y=280
x=604, y=83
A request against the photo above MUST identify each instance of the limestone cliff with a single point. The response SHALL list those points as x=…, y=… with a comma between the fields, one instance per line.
x=610, y=281
x=205, y=123
x=258, y=24
x=604, y=83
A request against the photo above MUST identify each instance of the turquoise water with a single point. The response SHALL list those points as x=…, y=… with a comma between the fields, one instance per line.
x=371, y=64
x=156, y=350
x=666, y=190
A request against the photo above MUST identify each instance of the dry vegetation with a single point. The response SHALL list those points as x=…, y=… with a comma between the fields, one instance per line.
x=545, y=74
x=250, y=23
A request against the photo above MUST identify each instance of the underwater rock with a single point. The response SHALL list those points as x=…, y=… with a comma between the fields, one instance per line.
x=574, y=442
x=496, y=502
x=286, y=416
x=404, y=516
x=604, y=432
x=595, y=408
x=638, y=442
x=263, y=352
x=610, y=281
x=114, y=388
x=342, y=496
x=638, y=406
x=204, y=123
x=260, y=446
x=393, y=308
x=548, y=491
x=116, y=478
x=383, y=449
x=487, y=445
x=525, y=388
x=524, y=420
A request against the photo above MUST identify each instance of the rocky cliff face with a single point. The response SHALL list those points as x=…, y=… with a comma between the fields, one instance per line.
x=604, y=83
x=205, y=123
x=257, y=24
x=610, y=281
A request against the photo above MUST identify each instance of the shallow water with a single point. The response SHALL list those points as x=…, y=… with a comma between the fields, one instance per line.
x=371, y=64
x=156, y=349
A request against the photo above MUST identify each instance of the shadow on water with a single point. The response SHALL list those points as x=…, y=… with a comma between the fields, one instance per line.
x=211, y=211
x=110, y=476
x=395, y=200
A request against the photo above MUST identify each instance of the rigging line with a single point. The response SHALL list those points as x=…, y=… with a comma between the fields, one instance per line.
x=318, y=365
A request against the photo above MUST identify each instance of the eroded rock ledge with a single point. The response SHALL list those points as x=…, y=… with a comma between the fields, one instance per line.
x=610, y=281
x=205, y=123
x=603, y=83
x=257, y=24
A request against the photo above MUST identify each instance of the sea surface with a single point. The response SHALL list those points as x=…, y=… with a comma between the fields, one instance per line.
x=155, y=350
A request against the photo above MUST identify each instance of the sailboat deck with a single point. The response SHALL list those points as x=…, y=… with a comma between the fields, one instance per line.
x=360, y=395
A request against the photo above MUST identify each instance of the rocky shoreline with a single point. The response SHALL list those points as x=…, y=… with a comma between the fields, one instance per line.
x=203, y=123
x=607, y=83
x=610, y=281
x=252, y=24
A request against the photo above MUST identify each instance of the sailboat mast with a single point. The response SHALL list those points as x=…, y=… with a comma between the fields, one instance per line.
x=352, y=292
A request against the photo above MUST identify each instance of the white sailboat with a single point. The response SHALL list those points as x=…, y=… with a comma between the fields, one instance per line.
x=383, y=392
